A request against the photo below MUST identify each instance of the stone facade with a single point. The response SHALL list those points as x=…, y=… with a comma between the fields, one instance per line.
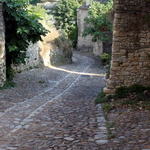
x=131, y=45
x=2, y=49
x=84, y=43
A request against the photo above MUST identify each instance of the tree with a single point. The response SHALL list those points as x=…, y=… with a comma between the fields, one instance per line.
x=65, y=14
x=99, y=21
x=22, y=27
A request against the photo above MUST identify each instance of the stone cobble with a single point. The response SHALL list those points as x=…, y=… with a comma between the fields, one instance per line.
x=61, y=117
x=132, y=129
x=60, y=114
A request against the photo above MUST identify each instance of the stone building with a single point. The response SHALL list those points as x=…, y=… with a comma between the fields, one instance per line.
x=131, y=45
x=85, y=43
x=2, y=49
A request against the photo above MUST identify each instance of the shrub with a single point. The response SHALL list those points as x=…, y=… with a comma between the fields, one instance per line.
x=125, y=91
x=66, y=18
x=7, y=85
x=105, y=58
x=38, y=10
x=121, y=92
x=101, y=98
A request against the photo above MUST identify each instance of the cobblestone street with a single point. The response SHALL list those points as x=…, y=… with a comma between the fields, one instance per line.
x=60, y=114
x=53, y=109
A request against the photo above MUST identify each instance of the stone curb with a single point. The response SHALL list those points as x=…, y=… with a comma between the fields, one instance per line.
x=101, y=135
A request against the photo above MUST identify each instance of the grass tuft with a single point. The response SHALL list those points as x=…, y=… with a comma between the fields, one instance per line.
x=101, y=98
x=135, y=96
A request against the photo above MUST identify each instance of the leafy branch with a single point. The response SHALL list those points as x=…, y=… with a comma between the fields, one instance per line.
x=99, y=21
x=22, y=27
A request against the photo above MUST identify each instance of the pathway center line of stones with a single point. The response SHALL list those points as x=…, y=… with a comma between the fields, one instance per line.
x=40, y=108
x=17, y=105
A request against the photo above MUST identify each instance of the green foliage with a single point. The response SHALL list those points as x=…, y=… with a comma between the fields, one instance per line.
x=42, y=82
x=106, y=107
x=105, y=58
x=65, y=14
x=22, y=27
x=65, y=54
x=42, y=13
x=34, y=2
x=65, y=17
x=121, y=92
x=58, y=42
x=74, y=36
x=110, y=125
x=62, y=41
x=135, y=97
x=7, y=85
x=10, y=73
x=127, y=102
x=9, y=82
x=101, y=98
x=137, y=88
x=81, y=1
x=37, y=10
x=99, y=21
x=126, y=91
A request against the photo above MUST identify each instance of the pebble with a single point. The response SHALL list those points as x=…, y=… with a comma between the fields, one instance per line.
x=101, y=142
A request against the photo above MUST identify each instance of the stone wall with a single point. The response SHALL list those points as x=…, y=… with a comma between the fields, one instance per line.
x=32, y=59
x=55, y=49
x=2, y=49
x=131, y=45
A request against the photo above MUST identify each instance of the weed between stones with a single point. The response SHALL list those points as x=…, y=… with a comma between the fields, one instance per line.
x=136, y=97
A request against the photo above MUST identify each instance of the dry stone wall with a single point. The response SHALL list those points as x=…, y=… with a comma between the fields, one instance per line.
x=32, y=60
x=131, y=45
x=2, y=49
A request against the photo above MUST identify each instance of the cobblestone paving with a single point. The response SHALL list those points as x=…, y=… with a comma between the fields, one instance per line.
x=61, y=116
x=132, y=129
